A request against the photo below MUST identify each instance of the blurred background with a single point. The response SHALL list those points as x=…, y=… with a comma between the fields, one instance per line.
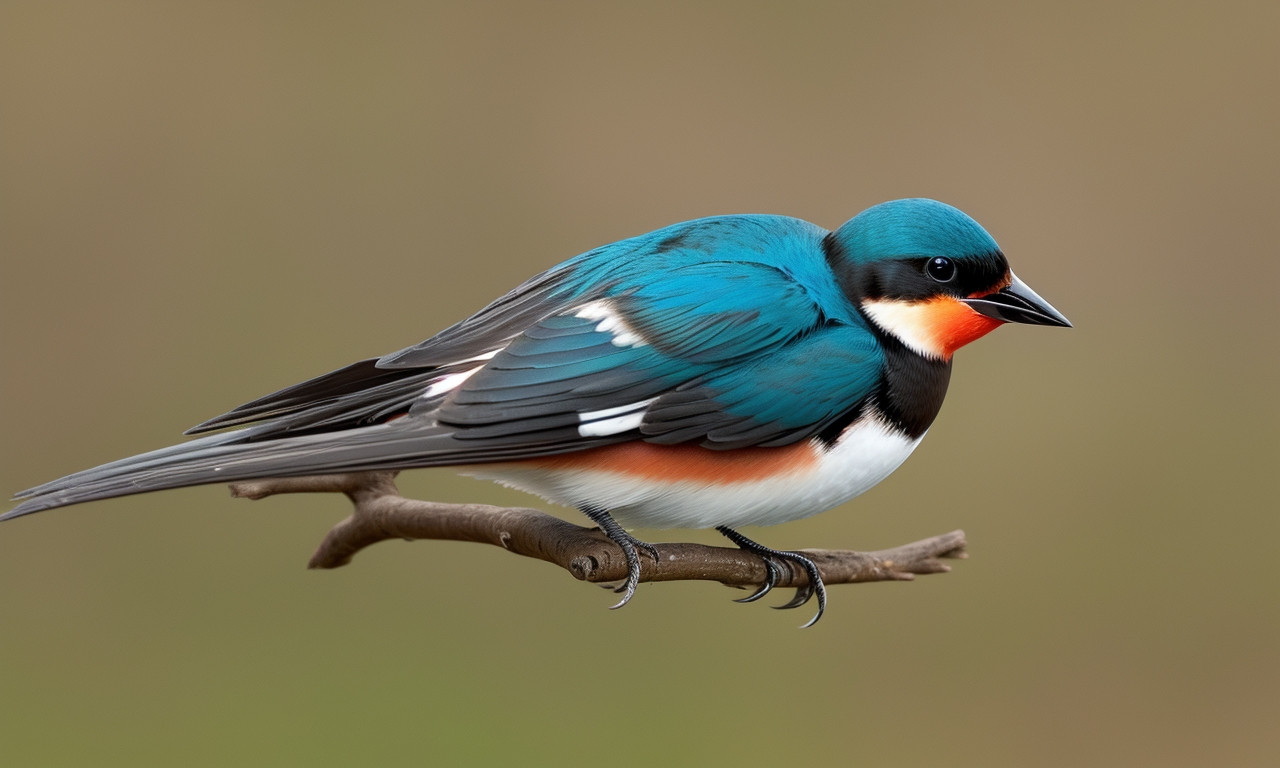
x=203, y=202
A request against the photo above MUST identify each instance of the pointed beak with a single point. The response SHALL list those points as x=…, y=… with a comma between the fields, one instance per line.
x=1018, y=304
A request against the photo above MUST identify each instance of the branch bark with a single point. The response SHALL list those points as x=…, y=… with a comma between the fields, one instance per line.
x=381, y=513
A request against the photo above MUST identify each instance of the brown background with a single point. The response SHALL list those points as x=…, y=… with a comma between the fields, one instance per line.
x=202, y=202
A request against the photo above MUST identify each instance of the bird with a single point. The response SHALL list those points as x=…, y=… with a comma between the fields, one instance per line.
x=730, y=371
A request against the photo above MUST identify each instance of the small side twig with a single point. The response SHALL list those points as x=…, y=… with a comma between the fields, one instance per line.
x=381, y=513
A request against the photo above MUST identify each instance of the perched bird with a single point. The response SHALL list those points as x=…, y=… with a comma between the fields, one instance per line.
x=722, y=372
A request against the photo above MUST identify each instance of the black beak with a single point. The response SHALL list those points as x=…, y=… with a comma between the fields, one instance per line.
x=1018, y=304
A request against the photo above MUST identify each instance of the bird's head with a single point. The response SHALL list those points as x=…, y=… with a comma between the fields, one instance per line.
x=929, y=275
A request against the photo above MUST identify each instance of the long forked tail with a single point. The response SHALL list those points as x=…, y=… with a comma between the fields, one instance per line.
x=227, y=458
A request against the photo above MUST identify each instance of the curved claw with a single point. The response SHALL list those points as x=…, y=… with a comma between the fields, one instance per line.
x=822, y=608
x=803, y=594
x=815, y=587
x=770, y=581
x=628, y=588
x=628, y=544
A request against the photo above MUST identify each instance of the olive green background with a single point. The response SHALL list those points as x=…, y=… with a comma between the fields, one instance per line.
x=203, y=202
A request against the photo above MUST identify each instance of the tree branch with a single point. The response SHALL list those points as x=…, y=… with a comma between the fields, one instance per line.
x=381, y=513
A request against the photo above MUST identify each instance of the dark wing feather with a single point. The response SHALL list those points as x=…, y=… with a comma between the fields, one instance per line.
x=376, y=389
x=328, y=388
x=488, y=329
x=550, y=375
x=792, y=394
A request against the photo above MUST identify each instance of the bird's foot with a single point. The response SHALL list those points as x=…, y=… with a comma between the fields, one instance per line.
x=770, y=581
x=630, y=546
x=769, y=555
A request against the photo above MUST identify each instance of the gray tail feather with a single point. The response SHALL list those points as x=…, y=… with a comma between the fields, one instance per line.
x=226, y=458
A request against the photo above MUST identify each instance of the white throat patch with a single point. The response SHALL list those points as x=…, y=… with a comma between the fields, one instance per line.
x=908, y=321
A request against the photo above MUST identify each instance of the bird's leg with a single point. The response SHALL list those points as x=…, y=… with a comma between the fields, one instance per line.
x=628, y=544
x=803, y=594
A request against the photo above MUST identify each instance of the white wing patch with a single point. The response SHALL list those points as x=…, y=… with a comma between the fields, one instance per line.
x=486, y=356
x=611, y=322
x=611, y=421
x=448, y=383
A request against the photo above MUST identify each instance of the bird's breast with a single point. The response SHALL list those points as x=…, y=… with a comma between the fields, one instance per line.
x=687, y=486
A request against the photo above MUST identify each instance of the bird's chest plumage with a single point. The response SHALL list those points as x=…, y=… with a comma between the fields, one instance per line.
x=686, y=486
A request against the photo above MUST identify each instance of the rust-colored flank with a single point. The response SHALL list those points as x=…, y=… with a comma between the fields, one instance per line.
x=674, y=463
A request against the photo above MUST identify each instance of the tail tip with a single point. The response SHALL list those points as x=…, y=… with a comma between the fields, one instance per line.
x=28, y=507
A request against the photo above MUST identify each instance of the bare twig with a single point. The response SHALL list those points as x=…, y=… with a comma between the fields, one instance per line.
x=381, y=513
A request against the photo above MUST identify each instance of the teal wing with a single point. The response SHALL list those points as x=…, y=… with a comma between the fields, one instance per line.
x=728, y=354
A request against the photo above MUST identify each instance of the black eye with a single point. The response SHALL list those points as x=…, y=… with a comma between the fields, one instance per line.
x=940, y=268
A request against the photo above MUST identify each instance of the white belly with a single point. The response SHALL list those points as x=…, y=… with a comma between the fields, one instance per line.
x=866, y=453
